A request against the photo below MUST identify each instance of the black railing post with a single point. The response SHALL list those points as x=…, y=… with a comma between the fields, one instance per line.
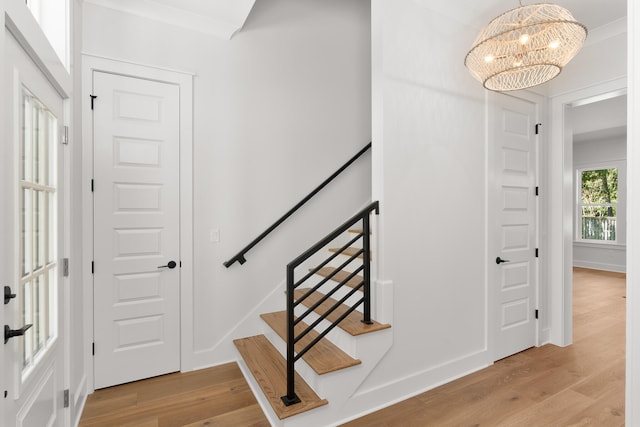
x=366, y=245
x=290, y=398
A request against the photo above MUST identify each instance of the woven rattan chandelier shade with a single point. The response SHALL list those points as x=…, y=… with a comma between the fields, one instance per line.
x=525, y=47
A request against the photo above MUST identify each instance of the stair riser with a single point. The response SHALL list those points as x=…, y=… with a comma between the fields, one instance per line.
x=338, y=385
x=257, y=392
x=329, y=285
x=340, y=338
x=302, y=368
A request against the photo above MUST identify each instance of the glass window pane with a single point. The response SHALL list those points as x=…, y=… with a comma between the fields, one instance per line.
x=42, y=228
x=26, y=146
x=52, y=131
x=25, y=231
x=27, y=318
x=599, y=223
x=52, y=227
x=600, y=186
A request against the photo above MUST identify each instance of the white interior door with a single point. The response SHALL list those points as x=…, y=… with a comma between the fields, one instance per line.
x=136, y=229
x=512, y=216
x=33, y=368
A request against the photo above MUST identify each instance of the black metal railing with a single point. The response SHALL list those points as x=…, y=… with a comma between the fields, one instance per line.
x=364, y=285
x=240, y=256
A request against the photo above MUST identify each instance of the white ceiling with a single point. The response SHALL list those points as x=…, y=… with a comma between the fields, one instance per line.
x=221, y=18
x=602, y=120
x=591, y=13
x=225, y=17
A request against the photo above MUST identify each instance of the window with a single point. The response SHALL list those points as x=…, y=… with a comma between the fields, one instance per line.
x=597, y=204
x=52, y=16
x=38, y=225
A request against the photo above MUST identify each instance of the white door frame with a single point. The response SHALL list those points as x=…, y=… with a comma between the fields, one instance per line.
x=540, y=104
x=16, y=18
x=632, y=415
x=560, y=206
x=184, y=80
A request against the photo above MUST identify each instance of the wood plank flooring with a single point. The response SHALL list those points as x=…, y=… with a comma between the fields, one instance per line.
x=580, y=385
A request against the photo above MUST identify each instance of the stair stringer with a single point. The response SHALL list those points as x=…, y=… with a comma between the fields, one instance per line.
x=340, y=387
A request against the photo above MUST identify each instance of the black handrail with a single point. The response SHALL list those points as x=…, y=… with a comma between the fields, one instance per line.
x=240, y=255
x=365, y=285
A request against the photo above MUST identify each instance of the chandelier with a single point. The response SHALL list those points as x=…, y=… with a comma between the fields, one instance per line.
x=525, y=47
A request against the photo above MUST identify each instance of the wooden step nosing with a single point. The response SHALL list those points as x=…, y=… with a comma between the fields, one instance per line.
x=353, y=326
x=315, y=353
x=274, y=386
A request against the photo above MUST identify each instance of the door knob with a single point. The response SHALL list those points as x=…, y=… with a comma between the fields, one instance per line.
x=500, y=260
x=170, y=264
x=10, y=333
x=8, y=296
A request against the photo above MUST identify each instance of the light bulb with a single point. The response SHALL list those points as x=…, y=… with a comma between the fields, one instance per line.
x=524, y=38
x=554, y=44
x=489, y=58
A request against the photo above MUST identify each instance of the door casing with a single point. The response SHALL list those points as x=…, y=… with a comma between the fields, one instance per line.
x=184, y=80
x=538, y=101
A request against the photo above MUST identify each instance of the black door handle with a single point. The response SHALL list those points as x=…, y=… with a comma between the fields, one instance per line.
x=8, y=296
x=500, y=260
x=10, y=333
x=170, y=264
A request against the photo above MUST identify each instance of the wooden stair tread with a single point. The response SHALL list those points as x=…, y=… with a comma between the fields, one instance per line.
x=270, y=371
x=350, y=251
x=340, y=276
x=351, y=324
x=324, y=357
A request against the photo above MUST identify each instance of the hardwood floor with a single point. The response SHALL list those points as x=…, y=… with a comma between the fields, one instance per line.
x=209, y=397
x=579, y=385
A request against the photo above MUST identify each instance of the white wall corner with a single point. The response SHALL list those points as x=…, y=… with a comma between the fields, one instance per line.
x=383, y=293
x=632, y=394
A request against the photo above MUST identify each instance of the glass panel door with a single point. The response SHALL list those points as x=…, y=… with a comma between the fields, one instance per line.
x=37, y=234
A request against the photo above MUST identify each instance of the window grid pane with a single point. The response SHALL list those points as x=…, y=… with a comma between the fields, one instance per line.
x=38, y=228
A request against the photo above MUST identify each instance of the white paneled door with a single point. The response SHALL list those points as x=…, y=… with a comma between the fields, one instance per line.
x=136, y=228
x=33, y=187
x=512, y=216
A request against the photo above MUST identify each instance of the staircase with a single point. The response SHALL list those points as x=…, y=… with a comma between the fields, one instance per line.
x=327, y=331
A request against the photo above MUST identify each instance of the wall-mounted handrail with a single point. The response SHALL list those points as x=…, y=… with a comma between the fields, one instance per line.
x=240, y=256
x=365, y=286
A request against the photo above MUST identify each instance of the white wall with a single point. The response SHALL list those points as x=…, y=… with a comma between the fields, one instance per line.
x=429, y=173
x=276, y=110
x=604, y=153
x=429, y=168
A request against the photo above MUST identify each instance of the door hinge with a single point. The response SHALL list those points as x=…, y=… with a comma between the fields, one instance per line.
x=537, y=191
x=537, y=253
x=92, y=267
x=65, y=135
x=93, y=348
x=65, y=267
x=66, y=398
x=537, y=313
x=537, y=126
x=93, y=97
x=92, y=185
